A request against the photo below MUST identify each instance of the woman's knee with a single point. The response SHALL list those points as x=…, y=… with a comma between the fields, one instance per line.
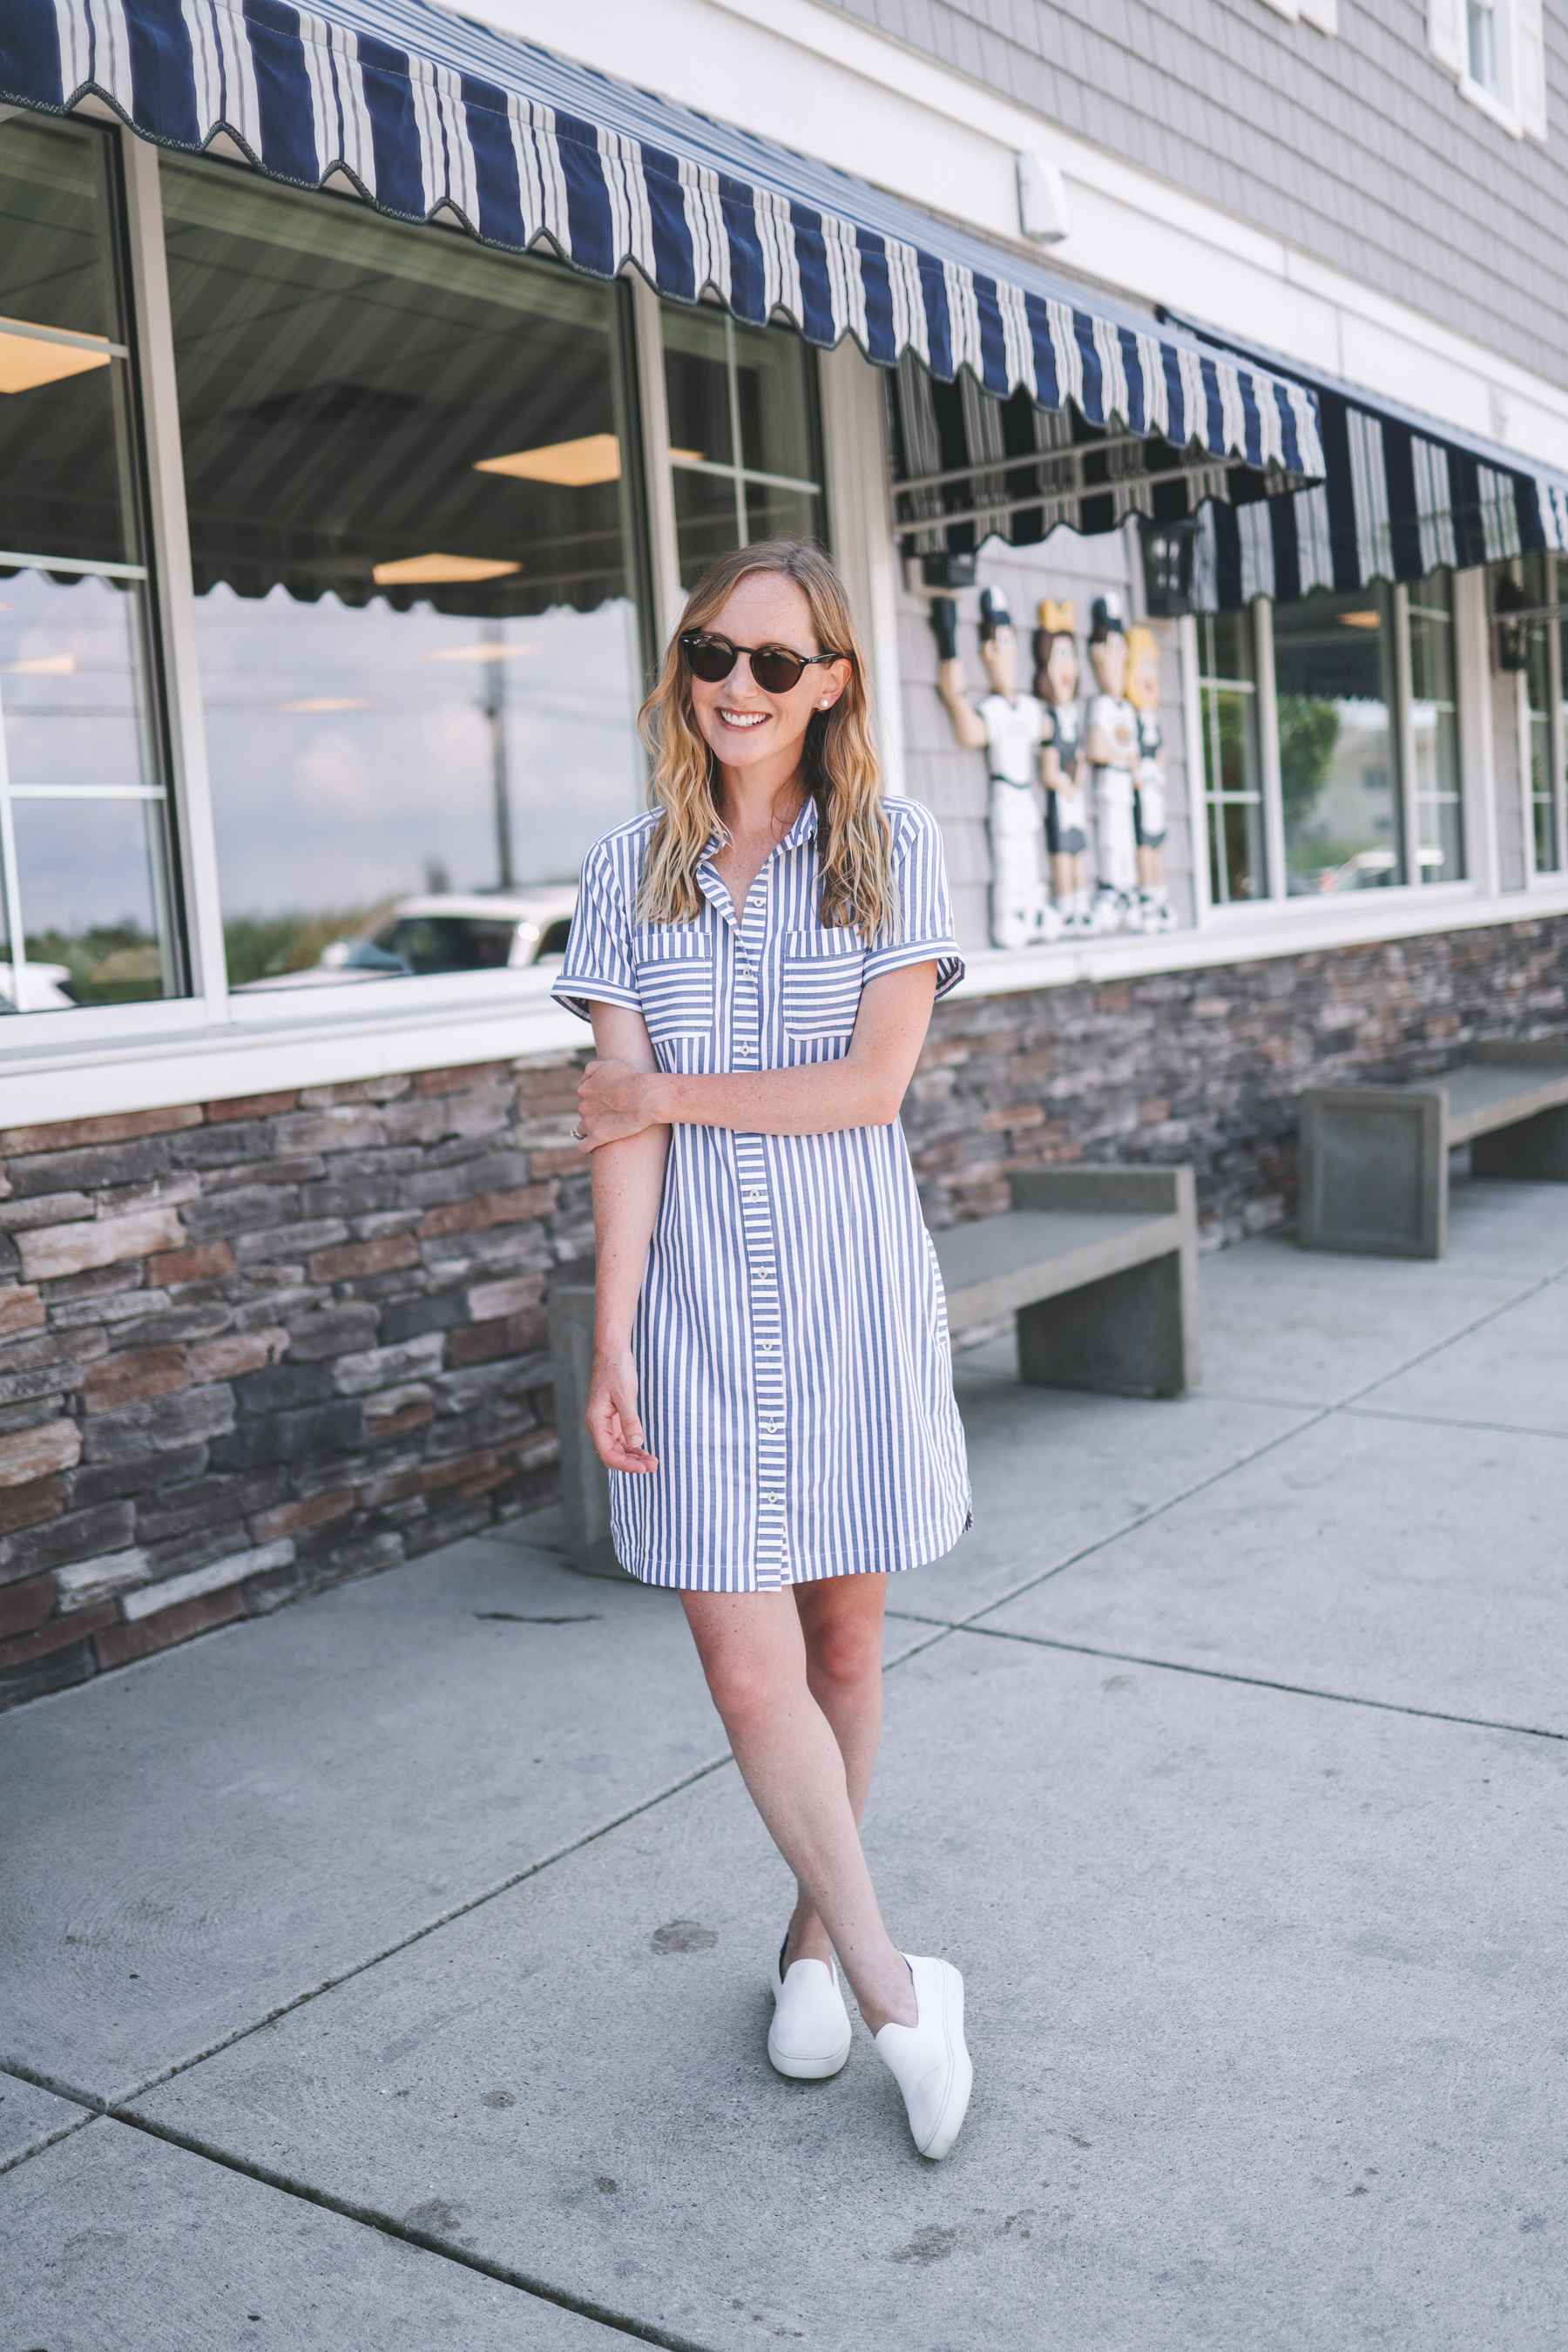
x=845, y=1651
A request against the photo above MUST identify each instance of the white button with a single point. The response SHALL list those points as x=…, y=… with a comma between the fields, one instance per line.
x=767, y=1346
x=756, y=1196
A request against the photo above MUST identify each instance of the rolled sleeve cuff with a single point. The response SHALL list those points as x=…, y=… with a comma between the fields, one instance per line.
x=943, y=952
x=579, y=992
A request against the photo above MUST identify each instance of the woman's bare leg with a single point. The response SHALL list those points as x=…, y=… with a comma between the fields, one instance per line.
x=754, y=1654
x=841, y=1618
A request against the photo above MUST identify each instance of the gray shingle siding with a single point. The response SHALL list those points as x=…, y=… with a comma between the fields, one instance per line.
x=1358, y=148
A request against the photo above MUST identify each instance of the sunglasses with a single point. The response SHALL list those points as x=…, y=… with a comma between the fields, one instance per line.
x=775, y=667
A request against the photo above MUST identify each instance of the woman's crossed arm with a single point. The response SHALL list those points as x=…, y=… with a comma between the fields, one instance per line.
x=622, y=1095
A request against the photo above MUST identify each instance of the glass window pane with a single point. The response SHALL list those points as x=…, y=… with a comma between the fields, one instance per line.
x=705, y=521
x=1337, y=754
x=421, y=655
x=772, y=513
x=72, y=682
x=90, y=884
x=1232, y=775
x=773, y=393
x=697, y=384
x=82, y=839
x=1440, y=854
x=65, y=486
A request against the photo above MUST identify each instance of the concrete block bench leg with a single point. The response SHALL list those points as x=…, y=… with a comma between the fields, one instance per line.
x=1374, y=1170
x=1534, y=1152
x=1126, y=1335
x=1131, y=1333
x=584, y=1481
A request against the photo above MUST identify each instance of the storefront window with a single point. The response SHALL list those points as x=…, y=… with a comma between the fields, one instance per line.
x=412, y=497
x=1233, y=782
x=1440, y=841
x=742, y=432
x=1334, y=688
x=1539, y=697
x=83, y=847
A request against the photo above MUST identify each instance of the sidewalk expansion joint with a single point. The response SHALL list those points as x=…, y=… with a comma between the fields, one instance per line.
x=35, y=2146
x=367, y=2216
x=454, y=1911
x=1260, y=1681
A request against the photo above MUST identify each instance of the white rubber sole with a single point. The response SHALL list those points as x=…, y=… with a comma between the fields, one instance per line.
x=955, y=2103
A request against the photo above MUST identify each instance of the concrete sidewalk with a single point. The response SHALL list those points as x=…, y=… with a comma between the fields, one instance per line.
x=417, y=1937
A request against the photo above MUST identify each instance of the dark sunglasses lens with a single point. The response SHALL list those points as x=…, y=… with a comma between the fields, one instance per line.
x=775, y=671
x=709, y=658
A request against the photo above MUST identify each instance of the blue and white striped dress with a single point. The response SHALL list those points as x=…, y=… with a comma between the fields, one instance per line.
x=796, y=1378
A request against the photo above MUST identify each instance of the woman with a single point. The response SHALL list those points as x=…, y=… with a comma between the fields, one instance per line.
x=773, y=1386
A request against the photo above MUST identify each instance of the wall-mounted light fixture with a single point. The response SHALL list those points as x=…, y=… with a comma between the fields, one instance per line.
x=1042, y=199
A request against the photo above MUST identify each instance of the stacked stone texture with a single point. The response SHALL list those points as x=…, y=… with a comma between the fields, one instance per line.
x=1205, y=1066
x=250, y=1348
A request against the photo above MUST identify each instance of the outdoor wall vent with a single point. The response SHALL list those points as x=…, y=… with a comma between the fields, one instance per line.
x=1042, y=199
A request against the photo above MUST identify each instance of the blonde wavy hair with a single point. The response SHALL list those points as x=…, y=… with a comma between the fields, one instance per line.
x=838, y=758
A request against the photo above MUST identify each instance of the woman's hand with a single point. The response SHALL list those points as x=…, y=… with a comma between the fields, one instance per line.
x=612, y=1416
x=612, y=1103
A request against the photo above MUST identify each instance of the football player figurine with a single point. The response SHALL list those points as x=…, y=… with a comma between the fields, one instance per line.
x=1112, y=743
x=1008, y=727
x=1062, y=762
x=1155, y=912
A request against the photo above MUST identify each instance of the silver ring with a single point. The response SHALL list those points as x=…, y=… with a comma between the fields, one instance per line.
x=579, y=1132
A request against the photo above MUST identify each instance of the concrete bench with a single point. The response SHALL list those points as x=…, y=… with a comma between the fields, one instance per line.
x=1099, y=1268
x=1098, y=1265
x=1374, y=1160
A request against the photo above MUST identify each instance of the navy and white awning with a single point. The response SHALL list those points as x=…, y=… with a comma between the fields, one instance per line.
x=1401, y=496
x=429, y=117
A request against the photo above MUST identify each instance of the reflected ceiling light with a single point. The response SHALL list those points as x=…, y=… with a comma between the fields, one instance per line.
x=488, y=652
x=317, y=705
x=31, y=357
x=1361, y=619
x=44, y=666
x=432, y=571
x=572, y=464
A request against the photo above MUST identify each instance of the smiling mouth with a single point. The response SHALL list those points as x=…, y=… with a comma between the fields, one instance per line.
x=743, y=718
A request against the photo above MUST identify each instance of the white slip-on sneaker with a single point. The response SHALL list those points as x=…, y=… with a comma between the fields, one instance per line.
x=810, y=2036
x=930, y=2059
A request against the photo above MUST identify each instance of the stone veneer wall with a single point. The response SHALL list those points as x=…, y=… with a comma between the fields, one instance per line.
x=249, y=1349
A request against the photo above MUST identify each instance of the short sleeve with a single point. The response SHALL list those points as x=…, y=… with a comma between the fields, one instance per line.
x=598, y=969
x=923, y=930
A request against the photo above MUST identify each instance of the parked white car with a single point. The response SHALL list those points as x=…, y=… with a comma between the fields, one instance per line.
x=448, y=930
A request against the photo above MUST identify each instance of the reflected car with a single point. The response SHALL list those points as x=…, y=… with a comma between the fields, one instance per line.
x=493, y=930
x=46, y=988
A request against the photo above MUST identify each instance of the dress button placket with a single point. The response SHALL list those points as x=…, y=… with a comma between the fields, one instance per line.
x=757, y=1225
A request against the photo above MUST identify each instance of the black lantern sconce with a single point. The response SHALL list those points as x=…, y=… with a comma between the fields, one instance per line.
x=1170, y=551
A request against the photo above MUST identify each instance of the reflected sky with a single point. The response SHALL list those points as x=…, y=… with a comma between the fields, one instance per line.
x=353, y=750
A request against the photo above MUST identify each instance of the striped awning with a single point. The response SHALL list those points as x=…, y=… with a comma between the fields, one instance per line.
x=1401, y=496
x=431, y=118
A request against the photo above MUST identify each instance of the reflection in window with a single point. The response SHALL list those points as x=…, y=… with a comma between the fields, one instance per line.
x=1544, y=694
x=742, y=434
x=1233, y=783
x=1440, y=842
x=83, y=851
x=410, y=488
x=1334, y=688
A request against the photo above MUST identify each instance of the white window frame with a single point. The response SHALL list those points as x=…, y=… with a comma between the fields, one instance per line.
x=1517, y=101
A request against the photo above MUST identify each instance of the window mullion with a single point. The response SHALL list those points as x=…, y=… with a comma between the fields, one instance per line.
x=653, y=410
x=173, y=593
x=732, y=377
x=1405, y=736
x=1268, y=744
x=1556, y=746
x=1197, y=775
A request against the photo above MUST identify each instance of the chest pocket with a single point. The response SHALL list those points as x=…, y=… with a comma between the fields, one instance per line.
x=675, y=982
x=821, y=981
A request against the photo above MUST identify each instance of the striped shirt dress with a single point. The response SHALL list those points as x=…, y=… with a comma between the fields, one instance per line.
x=791, y=1343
